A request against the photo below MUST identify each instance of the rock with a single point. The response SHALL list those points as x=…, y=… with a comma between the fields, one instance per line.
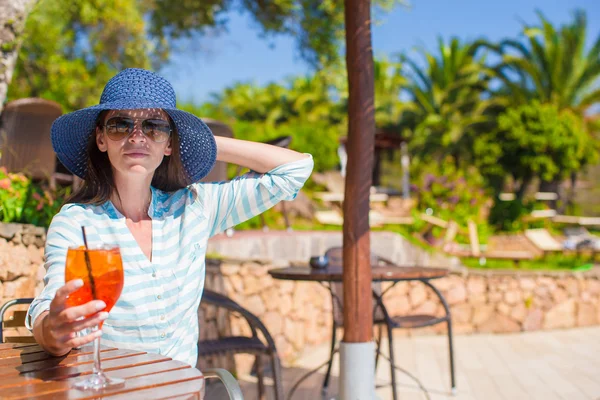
x=545, y=303
x=417, y=295
x=28, y=239
x=398, y=306
x=499, y=323
x=252, y=285
x=482, y=313
x=571, y=285
x=400, y=289
x=527, y=284
x=229, y=269
x=504, y=309
x=427, y=308
x=443, y=284
x=542, y=291
x=478, y=299
x=547, y=282
x=1, y=293
x=301, y=297
x=533, y=320
x=284, y=349
x=559, y=295
x=236, y=283
x=33, y=230
x=586, y=314
x=561, y=316
x=8, y=231
x=271, y=298
x=586, y=297
x=34, y=255
x=286, y=286
x=495, y=297
x=457, y=294
x=255, y=305
x=519, y=312
x=462, y=313
x=593, y=286
x=285, y=304
x=21, y=287
x=243, y=364
x=311, y=327
x=257, y=269
x=513, y=297
x=462, y=328
x=476, y=286
x=274, y=322
x=294, y=332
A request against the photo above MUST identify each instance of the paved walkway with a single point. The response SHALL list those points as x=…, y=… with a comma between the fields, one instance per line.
x=540, y=365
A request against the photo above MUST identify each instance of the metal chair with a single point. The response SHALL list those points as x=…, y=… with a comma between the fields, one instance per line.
x=16, y=320
x=382, y=318
x=25, y=140
x=231, y=385
x=244, y=344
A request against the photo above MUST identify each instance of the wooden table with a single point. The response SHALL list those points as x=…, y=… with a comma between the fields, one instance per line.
x=334, y=273
x=27, y=372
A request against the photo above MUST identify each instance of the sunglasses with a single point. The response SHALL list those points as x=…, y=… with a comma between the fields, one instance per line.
x=119, y=128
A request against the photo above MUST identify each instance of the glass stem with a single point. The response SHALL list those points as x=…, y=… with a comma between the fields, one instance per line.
x=97, y=368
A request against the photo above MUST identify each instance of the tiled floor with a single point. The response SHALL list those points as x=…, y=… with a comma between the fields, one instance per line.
x=562, y=364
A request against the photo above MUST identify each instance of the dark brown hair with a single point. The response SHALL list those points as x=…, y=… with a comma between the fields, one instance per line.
x=99, y=184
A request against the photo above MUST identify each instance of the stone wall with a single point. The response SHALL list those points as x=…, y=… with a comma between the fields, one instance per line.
x=298, y=314
x=21, y=262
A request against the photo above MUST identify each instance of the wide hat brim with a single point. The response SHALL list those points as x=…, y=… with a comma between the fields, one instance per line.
x=71, y=132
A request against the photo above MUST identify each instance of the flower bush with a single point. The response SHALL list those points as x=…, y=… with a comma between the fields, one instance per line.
x=27, y=202
x=451, y=193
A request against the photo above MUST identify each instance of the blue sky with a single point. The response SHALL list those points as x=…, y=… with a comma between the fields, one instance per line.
x=209, y=64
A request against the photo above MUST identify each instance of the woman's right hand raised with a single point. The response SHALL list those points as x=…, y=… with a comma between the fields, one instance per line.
x=59, y=326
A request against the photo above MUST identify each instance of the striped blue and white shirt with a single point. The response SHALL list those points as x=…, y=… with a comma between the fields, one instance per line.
x=157, y=310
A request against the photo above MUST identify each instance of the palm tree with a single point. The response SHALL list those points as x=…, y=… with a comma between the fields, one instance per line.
x=447, y=105
x=551, y=66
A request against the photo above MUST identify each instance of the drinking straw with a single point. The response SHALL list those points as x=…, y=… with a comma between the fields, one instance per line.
x=88, y=264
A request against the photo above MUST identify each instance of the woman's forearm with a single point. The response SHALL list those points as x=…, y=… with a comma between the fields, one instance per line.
x=259, y=157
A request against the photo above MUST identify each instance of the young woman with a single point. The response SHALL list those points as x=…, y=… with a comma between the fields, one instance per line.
x=142, y=160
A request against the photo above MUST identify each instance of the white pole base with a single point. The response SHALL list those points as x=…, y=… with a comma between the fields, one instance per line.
x=357, y=371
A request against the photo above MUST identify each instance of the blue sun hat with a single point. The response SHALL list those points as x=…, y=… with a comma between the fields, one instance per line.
x=132, y=89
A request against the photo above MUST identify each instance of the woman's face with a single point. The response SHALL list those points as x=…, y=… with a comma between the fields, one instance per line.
x=136, y=140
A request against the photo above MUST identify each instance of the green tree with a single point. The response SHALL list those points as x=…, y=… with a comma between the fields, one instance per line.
x=317, y=25
x=447, y=109
x=71, y=48
x=552, y=65
x=389, y=83
x=540, y=140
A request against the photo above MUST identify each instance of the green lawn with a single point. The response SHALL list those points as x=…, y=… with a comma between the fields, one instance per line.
x=548, y=263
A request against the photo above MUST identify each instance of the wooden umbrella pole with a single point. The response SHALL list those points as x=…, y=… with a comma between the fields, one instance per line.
x=357, y=350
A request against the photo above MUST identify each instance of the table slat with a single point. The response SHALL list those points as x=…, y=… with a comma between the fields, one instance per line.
x=40, y=387
x=52, y=365
x=162, y=384
x=378, y=274
x=18, y=359
x=10, y=346
x=190, y=390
